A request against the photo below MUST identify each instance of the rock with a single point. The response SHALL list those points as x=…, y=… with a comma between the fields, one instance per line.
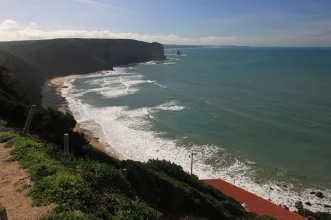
x=298, y=205
x=277, y=184
x=312, y=193
x=271, y=188
x=319, y=195
x=285, y=186
x=327, y=206
x=308, y=203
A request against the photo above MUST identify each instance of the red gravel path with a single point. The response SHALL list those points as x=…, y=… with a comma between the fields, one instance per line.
x=254, y=203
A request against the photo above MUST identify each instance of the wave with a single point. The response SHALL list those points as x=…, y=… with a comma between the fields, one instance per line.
x=169, y=63
x=170, y=106
x=170, y=54
x=118, y=83
x=159, y=62
x=129, y=132
x=155, y=83
x=170, y=58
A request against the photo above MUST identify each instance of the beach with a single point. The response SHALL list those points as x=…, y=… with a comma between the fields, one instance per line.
x=52, y=97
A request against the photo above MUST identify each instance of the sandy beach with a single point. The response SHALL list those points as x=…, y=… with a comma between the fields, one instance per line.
x=52, y=98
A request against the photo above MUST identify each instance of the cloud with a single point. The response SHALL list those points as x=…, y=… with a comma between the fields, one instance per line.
x=8, y=25
x=316, y=34
x=102, y=5
x=10, y=30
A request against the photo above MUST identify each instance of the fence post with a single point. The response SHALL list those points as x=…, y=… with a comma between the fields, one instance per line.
x=66, y=143
x=28, y=120
x=191, y=163
x=3, y=213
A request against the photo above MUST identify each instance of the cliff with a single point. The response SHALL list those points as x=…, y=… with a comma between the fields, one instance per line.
x=33, y=62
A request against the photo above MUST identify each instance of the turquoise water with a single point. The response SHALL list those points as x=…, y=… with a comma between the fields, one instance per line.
x=257, y=117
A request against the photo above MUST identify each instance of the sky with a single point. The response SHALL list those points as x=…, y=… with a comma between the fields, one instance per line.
x=198, y=22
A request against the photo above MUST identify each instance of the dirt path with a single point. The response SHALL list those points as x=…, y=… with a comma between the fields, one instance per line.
x=12, y=195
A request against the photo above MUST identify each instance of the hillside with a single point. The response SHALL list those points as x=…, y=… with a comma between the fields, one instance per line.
x=33, y=62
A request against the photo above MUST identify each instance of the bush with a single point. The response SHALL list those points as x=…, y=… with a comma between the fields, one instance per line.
x=136, y=210
x=102, y=177
x=23, y=142
x=177, y=172
x=43, y=169
x=178, y=198
x=51, y=124
x=13, y=111
x=68, y=215
x=63, y=188
x=5, y=136
x=317, y=215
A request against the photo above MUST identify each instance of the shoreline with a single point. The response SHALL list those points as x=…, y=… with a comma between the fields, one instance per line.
x=52, y=97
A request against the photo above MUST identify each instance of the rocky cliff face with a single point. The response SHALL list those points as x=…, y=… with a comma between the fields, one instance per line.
x=33, y=62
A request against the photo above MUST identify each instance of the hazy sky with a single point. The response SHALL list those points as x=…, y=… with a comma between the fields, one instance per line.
x=239, y=22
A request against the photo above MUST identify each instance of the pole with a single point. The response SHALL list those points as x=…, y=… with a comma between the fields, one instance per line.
x=66, y=143
x=28, y=120
x=3, y=213
x=191, y=163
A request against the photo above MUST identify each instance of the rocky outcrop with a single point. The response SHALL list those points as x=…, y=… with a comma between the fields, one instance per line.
x=33, y=62
x=319, y=195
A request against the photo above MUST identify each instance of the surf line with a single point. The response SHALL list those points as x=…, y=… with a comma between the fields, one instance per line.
x=127, y=86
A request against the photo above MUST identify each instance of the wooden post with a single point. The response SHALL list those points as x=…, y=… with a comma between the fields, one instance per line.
x=191, y=163
x=66, y=143
x=3, y=213
x=28, y=120
x=125, y=172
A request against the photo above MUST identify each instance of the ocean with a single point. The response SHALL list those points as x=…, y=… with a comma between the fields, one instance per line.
x=259, y=118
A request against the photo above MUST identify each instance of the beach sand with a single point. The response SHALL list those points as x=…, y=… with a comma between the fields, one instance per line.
x=51, y=93
x=52, y=97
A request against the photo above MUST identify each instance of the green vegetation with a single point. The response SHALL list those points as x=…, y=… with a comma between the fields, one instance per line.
x=85, y=188
x=317, y=216
x=5, y=136
x=96, y=190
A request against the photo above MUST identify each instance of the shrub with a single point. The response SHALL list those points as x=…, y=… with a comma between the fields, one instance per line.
x=13, y=111
x=62, y=188
x=136, y=210
x=43, y=169
x=177, y=172
x=5, y=136
x=23, y=142
x=68, y=215
x=102, y=176
x=52, y=124
x=178, y=198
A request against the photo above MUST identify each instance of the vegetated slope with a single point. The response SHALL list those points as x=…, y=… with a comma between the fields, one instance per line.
x=25, y=75
x=32, y=62
x=85, y=188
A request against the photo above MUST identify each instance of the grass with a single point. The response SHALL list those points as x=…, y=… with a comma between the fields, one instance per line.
x=5, y=136
x=80, y=189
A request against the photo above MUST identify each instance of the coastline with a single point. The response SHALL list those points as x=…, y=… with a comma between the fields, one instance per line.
x=52, y=97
